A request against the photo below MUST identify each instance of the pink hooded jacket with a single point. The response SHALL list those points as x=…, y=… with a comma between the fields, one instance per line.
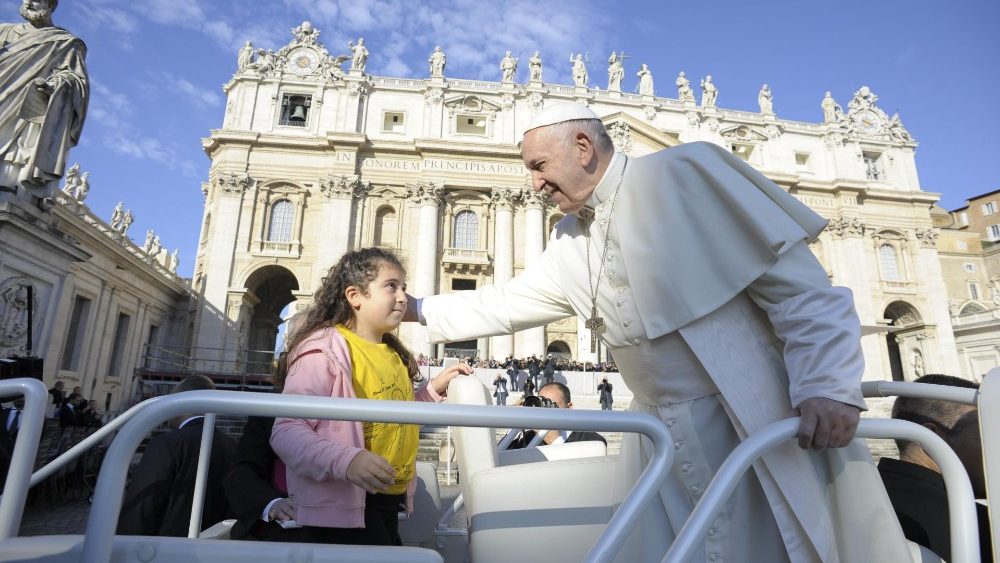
x=317, y=452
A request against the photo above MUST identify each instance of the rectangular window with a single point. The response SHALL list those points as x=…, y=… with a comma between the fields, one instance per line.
x=471, y=125
x=118, y=347
x=802, y=161
x=963, y=218
x=974, y=291
x=962, y=245
x=994, y=233
x=742, y=151
x=969, y=267
x=74, y=336
x=873, y=166
x=989, y=208
x=393, y=122
x=295, y=110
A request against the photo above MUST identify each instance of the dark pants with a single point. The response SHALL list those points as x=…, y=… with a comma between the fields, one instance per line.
x=381, y=525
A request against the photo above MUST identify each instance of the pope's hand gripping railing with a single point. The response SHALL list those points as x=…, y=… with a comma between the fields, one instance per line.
x=109, y=491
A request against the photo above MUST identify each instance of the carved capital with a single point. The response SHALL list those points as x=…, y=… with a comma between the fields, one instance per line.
x=233, y=183
x=531, y=198
x=504, y=198
x=425, y=193
x=927, y=237
x=434, y=96
x=844, y=227
x=621, y=136
x=343, y=187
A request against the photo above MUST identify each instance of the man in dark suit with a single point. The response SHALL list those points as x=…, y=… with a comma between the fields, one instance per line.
x=550, y=369
x=510, y=364
x=159, y=498
x=560, y=397
x=914, y=482
x=10, y=423
x=256, y=487
x=57, y=394
x=500, y=390
x=69, y=411
x=534, y=367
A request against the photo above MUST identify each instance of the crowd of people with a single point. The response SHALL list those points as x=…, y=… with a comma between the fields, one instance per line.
x=561, y=363
x=73, y=409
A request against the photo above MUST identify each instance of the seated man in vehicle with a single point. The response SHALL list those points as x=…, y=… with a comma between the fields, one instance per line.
x=158, y=500
x=559, y=395
x=914, y=482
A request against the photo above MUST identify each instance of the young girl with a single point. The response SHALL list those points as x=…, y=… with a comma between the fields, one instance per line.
x=348, y=480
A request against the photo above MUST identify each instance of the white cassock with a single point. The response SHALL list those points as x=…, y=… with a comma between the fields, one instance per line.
x=720, y=321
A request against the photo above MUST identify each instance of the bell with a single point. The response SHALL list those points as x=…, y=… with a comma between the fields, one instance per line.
x=298, y=114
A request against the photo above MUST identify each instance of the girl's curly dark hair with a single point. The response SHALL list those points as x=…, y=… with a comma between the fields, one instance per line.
x=330, y=306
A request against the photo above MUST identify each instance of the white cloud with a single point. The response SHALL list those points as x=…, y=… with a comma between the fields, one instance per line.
x=200, y=97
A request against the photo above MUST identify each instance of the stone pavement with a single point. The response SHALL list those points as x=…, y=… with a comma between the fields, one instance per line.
x=42, y=519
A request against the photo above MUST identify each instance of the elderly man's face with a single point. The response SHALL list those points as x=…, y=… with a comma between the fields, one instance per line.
x=36, y=11
x=559, y=168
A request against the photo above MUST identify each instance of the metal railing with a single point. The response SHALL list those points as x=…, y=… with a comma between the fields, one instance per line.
x=15, y=491
x=961, y=502
x=110, y=484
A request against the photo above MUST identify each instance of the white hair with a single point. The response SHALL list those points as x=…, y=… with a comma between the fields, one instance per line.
x=594, y=129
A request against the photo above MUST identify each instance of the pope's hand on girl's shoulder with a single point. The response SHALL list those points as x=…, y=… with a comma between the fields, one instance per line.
x=370, y=471
x=442, y=380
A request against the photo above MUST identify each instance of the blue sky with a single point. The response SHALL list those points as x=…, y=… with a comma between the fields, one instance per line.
x=157, y=67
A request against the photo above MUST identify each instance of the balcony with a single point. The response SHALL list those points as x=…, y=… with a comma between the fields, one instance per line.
x=276, y=248
x=466, y=261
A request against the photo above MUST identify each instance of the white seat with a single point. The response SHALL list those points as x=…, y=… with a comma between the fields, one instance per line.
x=418, y=528
x=548, y=503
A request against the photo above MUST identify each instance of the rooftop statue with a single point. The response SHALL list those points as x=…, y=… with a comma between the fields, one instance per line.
x=45, y=88
x=645, y=81
x=535, y=68
x=579, y=70
x=684, y=91
x=709, y=93
x=765, y=99
x=616, y=71
x=832, y=112
x=437, y=62
x=245, y=58
x=509, y=67
x=359, y=54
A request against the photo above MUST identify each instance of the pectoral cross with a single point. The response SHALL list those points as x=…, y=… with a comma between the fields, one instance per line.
x=593, y=324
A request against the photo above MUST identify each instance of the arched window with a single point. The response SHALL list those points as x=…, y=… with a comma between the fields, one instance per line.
x=385, y=227
x=280, y=228
x=466, y=230
x=887, y=260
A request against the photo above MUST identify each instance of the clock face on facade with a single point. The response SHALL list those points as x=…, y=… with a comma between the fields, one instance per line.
x=303, y=61
x=868, y=122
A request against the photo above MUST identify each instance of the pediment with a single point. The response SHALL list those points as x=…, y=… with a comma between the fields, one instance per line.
x=387, y=192
x=744, y=133
x=634, y=136
x=470, y=104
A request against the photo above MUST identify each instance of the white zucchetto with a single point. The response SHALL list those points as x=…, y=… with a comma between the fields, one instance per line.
x=560, y=112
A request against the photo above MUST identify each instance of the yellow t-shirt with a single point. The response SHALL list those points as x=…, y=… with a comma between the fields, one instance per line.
x=379, y=374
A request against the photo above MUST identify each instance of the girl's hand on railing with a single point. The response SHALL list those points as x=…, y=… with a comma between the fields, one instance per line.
x=440, y=383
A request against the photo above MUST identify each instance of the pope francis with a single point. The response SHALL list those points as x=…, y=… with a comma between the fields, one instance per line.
x=694, y=270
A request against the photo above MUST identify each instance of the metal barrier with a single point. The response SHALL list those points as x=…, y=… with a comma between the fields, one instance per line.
x=961, y=503
x=963, y=395
x=989, y=425
x=108, y=494
x=25, y=449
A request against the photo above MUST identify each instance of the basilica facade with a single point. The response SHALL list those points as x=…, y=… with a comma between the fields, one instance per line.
x=314, y=159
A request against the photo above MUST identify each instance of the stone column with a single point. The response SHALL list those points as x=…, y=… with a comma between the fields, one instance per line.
x=340, y=192
x=427, y=197
x=226, y=199
x=849, y=246
x=930, y=282
x=503, y=257
x=534, y=245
